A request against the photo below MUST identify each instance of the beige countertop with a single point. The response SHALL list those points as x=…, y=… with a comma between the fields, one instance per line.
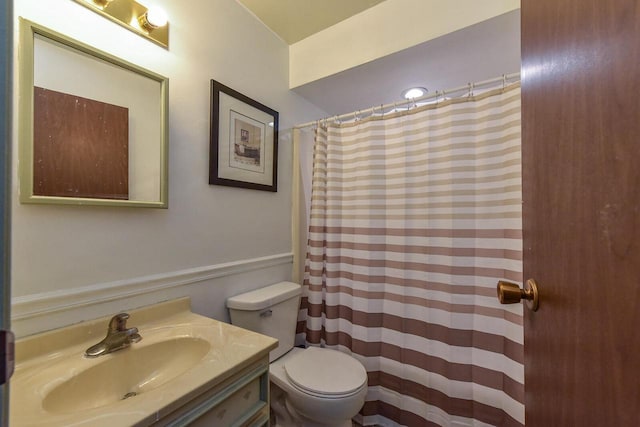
x=47, y=361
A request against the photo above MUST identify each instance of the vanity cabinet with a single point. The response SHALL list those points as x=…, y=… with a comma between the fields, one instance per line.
x=240, y=401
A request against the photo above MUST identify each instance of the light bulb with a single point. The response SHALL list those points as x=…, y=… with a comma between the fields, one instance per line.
x=414, y=92
x=156, y=17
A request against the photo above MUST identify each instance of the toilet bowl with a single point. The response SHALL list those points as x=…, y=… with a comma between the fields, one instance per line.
x=310, y=387
x=323, y=387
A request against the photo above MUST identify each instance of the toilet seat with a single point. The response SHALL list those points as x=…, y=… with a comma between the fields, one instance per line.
x=325, y=373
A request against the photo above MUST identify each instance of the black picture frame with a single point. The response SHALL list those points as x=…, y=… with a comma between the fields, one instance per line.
x=243, y=141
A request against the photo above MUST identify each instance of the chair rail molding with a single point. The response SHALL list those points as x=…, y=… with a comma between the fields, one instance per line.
x=48, y=303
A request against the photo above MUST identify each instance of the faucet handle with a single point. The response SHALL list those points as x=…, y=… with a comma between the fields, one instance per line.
x=118, y=322
x=135, y=338
x=132, y=335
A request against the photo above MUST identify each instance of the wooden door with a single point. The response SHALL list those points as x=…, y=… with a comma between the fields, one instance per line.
x=581, y=212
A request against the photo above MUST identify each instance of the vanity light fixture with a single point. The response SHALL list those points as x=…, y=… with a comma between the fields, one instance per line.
x=414, y=92
x=149, y=22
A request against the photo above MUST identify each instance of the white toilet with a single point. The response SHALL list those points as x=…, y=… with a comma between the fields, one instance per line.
x=309, y=387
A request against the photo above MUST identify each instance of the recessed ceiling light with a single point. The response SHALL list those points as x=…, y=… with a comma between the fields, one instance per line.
x=414, y=92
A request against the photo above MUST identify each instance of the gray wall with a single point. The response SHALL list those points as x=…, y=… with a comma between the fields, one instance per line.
x=72, y=262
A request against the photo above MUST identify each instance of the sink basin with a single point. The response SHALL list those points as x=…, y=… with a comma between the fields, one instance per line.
x=125, y=374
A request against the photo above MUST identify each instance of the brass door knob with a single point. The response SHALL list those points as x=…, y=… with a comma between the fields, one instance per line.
x=510, y=293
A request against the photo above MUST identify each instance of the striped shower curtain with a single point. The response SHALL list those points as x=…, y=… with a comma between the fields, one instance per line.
x=414, y=218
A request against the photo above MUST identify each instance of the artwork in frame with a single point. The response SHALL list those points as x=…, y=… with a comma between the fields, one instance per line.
x=243, y=142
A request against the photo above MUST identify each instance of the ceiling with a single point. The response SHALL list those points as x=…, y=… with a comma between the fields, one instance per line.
x=294, y=20
x=482, y=51
x=479, y=52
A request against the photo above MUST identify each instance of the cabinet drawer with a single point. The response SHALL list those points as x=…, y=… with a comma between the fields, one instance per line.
x=230, y=411
x=240, y=401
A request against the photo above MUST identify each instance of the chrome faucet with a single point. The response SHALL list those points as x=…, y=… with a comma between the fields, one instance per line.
x=118, y=337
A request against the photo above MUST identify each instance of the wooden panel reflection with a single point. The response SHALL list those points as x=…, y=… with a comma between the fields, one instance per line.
x=80, y=147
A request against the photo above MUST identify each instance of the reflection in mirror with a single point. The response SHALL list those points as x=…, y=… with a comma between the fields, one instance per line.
x=93, y=127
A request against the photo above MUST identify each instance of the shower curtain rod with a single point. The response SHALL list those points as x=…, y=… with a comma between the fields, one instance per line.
x=504, y=79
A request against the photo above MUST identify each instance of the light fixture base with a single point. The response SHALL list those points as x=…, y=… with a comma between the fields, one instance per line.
x=102, y=3
x=127, y=13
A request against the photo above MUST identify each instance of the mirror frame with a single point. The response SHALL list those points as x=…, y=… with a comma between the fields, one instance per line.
x=28, y=31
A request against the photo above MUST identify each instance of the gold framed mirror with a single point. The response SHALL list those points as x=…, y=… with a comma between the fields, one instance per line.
x=93, y=128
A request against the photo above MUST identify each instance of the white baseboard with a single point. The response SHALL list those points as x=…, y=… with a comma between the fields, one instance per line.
x=48, y=303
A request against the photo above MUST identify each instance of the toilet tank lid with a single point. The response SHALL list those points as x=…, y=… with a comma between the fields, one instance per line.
x=264, y=297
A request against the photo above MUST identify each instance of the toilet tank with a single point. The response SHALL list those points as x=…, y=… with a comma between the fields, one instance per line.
x=272, y=311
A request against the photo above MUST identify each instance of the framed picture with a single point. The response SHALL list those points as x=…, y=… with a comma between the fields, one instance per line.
x=244, y=141
x=93, y=128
